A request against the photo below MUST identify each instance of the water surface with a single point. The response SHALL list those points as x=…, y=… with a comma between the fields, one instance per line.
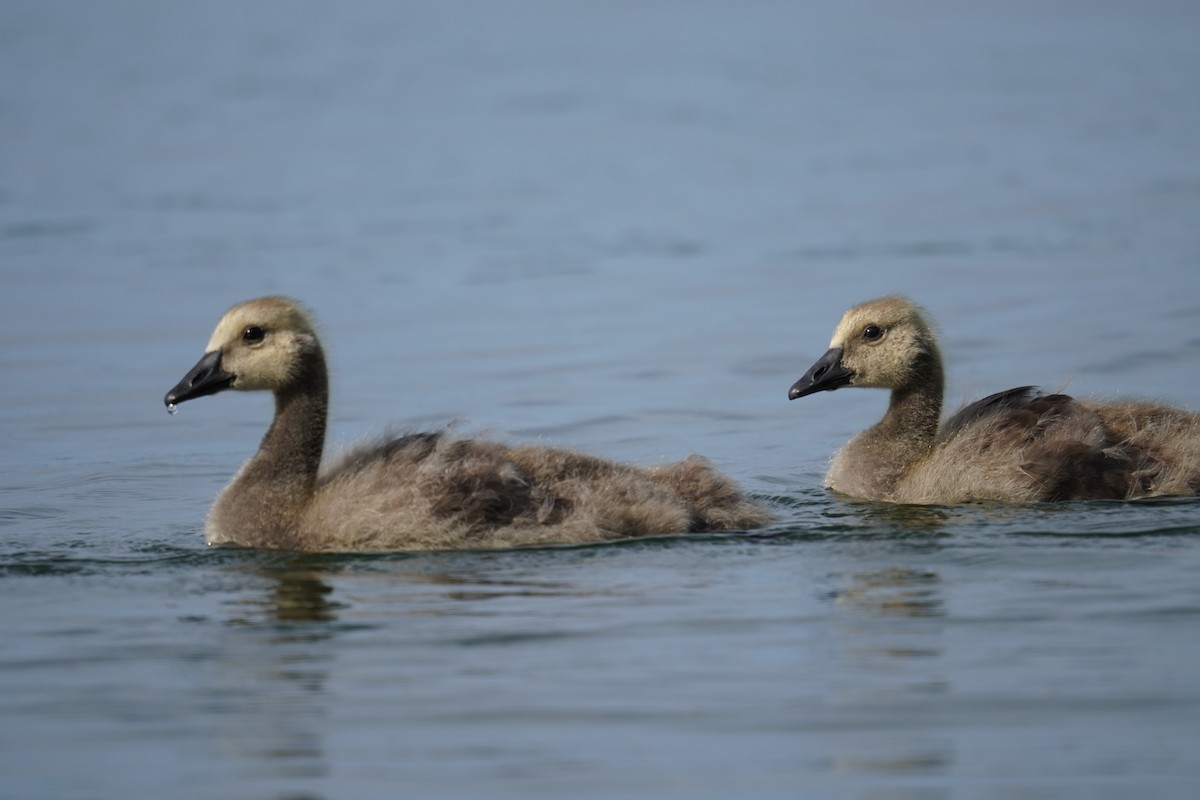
x=624, y=228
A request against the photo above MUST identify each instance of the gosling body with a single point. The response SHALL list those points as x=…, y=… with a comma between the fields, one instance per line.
x=1014, y=446
x=426, y=490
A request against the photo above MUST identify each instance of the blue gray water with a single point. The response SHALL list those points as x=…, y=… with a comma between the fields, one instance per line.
x=621, y=227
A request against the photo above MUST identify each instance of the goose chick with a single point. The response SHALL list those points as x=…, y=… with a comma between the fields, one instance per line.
x=427, y=490
x=1014, y=446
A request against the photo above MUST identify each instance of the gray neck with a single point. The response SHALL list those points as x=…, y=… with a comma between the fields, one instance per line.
x=873, y=462
x=291, y=449
x=914, y=413
x=263, y=505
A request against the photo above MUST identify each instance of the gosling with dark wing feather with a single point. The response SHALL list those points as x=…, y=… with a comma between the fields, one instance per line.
x=1014, y=446
x=427, y=490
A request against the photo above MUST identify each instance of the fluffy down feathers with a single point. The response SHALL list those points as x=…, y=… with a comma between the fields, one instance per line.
x=426, y=490
x=1013, y=446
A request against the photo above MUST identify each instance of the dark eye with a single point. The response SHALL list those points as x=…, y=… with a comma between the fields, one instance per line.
x=253, y=335
x=872, y=332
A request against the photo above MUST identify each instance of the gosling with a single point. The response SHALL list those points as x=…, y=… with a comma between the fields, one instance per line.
x=1018, y=446
x=422, y=491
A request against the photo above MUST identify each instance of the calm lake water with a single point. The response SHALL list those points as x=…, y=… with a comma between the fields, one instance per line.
x=625, y=228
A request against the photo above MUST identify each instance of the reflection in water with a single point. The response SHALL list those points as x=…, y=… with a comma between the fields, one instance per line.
x=918, y=526
x=892, y=655
x=273, y=678
x=905, y=519
x=302, y=597
x=471, y=586
x=273, y=683
x=898, y=591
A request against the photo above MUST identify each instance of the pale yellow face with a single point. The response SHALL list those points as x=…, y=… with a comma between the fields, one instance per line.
x=261, y=341
x=882, y=341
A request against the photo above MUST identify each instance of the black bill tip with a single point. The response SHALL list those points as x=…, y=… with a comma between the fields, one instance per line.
x=824, y=376
x=206, y=377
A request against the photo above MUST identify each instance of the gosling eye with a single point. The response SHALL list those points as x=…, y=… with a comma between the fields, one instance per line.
x=253, y=335
x=872, y=332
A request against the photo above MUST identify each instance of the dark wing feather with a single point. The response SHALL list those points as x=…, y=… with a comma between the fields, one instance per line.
x=1066, y=449
x=992, y=404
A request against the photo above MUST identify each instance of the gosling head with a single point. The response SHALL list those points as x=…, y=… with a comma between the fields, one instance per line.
x=258, y=344
x=884, y=343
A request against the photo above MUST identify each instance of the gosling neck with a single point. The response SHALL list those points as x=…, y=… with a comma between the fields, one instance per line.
x=873, y=462
x=291, y=449
x=915, y=410
x=265, y=503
